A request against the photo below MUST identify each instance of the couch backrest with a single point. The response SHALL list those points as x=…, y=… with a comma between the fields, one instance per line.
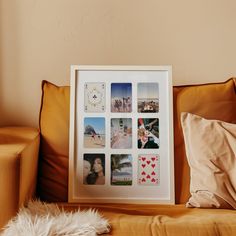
x=213, y=101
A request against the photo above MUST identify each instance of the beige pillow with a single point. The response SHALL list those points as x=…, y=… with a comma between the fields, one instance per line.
x=211, y=153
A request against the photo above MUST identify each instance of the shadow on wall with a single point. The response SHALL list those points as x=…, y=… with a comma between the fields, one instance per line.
x=9, y=60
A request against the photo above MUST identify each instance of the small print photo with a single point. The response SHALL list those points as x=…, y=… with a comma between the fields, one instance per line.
x=148, y=97
x=148, y=133
x=121, y=97
x=94, y=132
x=121, y=133
x=148, y=169
x=121, y=169
x=94, y=169
x=94, y=97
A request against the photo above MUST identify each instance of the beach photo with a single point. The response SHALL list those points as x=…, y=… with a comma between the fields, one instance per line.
x=121, y=133
x=94, y=132
x=148, y=97
x=148, y=133
x=94, y=169
x=121, y=97
x=121, y=169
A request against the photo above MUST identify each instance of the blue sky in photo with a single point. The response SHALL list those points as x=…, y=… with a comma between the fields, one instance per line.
x=129, y=157
x=121, y=90
x=98, y=123
x=148, y=90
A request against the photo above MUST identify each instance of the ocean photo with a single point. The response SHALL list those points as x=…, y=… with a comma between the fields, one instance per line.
x=94, y=132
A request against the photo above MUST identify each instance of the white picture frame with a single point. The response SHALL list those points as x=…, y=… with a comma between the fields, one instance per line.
x=121, y=135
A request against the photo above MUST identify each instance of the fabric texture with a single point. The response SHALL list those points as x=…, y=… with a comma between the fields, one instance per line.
x=19, y=148
x=211, y=101
x=54, y=148
x=164, y=220
x=211, y=151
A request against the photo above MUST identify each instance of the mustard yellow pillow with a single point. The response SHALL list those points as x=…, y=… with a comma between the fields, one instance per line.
x=211, y=152
x=54, y=149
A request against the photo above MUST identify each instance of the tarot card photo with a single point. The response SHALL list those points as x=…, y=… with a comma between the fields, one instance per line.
x=94, y=97
x=121, y=97
x=148, y=169
x=121, y=133
x=148, y=133
x=94, y=169
x=94, y=132
x=148, y=97
x=121, y=169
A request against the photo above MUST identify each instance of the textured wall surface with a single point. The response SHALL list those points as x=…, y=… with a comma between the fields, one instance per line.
x=40, y=39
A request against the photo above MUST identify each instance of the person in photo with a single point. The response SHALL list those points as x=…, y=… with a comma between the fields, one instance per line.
x=148, y=97
x=94, y=132
x=121, y=94
x=121, y=133
x=86, y=170
x=96, y=176
x=148, y=133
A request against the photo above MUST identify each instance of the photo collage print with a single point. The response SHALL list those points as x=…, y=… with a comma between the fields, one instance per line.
x=121, y=133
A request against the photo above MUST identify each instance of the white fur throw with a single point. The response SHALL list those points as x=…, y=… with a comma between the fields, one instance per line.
x=41, y=219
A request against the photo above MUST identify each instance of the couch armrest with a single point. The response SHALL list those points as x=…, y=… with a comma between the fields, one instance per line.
x=18, y=168
x=9, y=186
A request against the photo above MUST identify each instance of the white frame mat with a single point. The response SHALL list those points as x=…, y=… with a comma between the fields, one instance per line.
x=121, y=130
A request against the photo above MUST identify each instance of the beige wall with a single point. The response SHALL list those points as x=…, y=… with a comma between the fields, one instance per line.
x=40, y=39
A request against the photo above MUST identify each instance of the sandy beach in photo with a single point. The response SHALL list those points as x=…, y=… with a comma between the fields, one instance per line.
x=96, y=142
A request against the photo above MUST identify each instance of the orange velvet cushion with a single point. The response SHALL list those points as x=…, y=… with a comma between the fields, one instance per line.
x=54, y=128
x=212, y=101
x=211, y=150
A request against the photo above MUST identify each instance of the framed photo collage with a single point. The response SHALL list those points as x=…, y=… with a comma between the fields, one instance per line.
x=121, y=135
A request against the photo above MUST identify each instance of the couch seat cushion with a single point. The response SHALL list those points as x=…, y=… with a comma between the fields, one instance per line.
x=135, y=220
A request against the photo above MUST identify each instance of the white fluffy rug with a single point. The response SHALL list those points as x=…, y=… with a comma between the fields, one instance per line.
x=40, y=219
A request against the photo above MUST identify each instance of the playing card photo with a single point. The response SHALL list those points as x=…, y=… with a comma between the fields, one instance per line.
x=148, y=169
x=148, y=133
x=121, y=133
x=121, y=97
x=121, y=169
x=94, y=132
x=94, y=169
x=148, y=97
x=94, y=97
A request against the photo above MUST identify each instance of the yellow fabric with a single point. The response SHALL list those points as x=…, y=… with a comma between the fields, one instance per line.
x=164, y=220
x=54, y=149
x=211, y=150
x=212, y=101
x=18, y=168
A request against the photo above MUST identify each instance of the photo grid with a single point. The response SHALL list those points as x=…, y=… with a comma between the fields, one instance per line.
x=120, y=101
